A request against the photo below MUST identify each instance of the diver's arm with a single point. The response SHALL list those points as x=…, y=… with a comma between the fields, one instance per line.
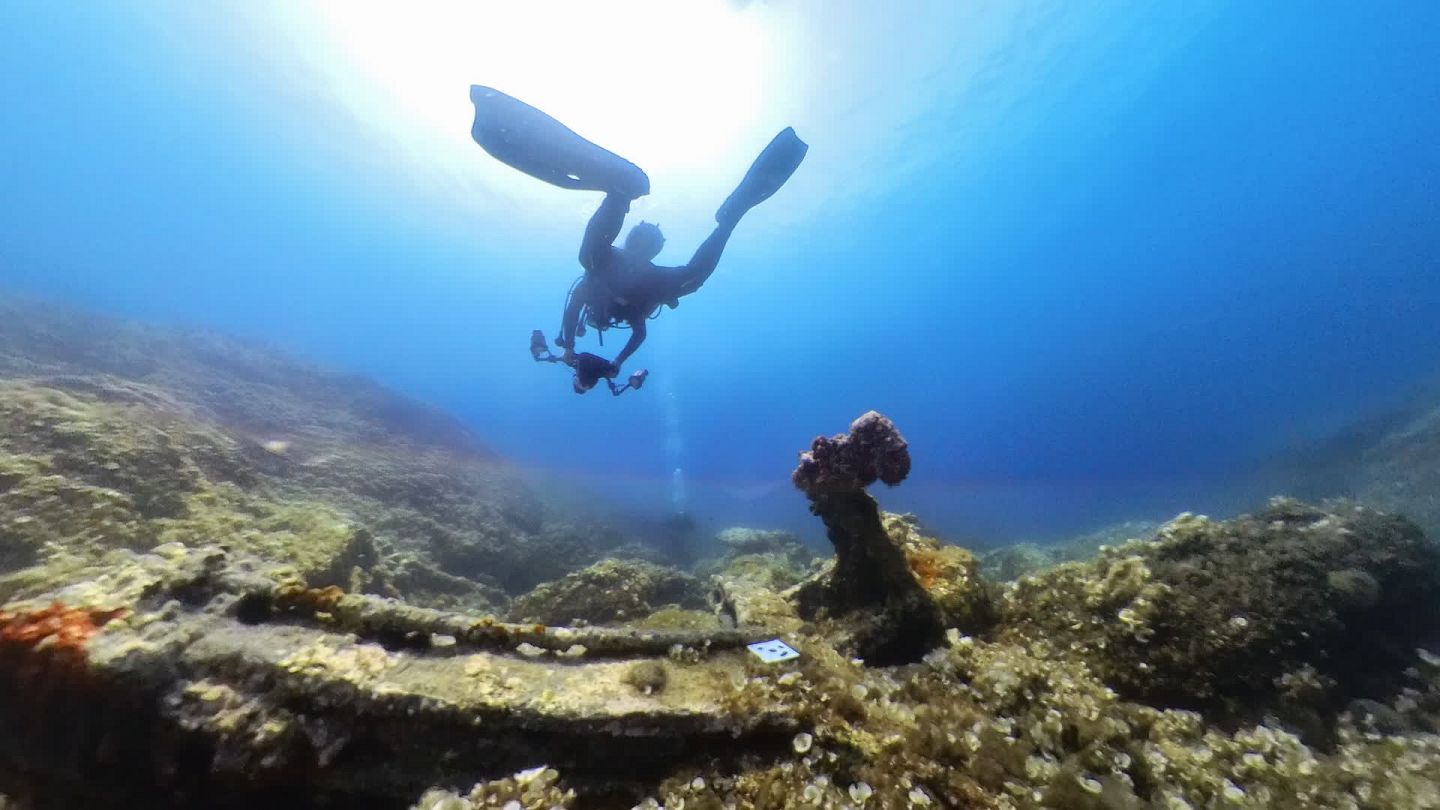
x=604, y=227
x=637, y=336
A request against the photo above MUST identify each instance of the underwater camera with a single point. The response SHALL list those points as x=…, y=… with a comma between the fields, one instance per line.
x=589, y=368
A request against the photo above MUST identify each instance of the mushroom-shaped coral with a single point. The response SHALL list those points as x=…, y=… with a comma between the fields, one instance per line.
x=888, y=615
x=847, y=462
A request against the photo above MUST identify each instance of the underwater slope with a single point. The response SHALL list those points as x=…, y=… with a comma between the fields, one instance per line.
x=115, y=435
x=1390, y=462
x=261, y=392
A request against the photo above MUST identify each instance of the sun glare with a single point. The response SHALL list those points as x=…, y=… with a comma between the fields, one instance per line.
x=666, y=84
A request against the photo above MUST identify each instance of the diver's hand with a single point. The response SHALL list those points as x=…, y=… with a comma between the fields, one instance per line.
x=612, y=371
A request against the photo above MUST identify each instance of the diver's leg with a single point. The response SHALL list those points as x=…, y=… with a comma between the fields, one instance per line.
x=601, y=231
x=706, y=257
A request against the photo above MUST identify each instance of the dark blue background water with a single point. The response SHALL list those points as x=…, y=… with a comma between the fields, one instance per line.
x=1111, y=258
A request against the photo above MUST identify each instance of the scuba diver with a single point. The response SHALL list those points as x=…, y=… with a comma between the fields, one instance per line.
x=621, y=286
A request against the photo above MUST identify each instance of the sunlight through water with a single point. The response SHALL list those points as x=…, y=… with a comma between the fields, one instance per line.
x=665, y=84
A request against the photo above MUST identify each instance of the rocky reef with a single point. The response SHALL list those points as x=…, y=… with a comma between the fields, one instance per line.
x=116, y=436
x=1304, y=609
x=207, y=602
x=225, y=681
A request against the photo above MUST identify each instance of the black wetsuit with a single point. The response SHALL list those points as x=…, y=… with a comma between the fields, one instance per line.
x=619, y=288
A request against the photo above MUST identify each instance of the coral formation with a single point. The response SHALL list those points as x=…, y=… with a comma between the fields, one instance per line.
x=848, y=462
x=47, y=644
x=894, y=589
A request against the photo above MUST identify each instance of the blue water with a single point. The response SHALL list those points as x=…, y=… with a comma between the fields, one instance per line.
x=1097, y=261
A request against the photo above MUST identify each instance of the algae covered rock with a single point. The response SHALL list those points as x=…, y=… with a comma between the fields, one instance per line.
x=948, y=574
x=768, y=571
x=121, y=436
x=609, y=591
x=1236, y=617
x=1052, y=735
x=1009, y=563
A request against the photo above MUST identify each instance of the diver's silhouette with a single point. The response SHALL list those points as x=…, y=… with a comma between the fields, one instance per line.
x=621, y=285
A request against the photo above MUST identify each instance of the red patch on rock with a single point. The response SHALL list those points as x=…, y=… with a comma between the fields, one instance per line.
x=56, y=634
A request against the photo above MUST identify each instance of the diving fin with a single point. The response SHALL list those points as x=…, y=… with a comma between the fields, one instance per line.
x=767, y=174
x=528, y=139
